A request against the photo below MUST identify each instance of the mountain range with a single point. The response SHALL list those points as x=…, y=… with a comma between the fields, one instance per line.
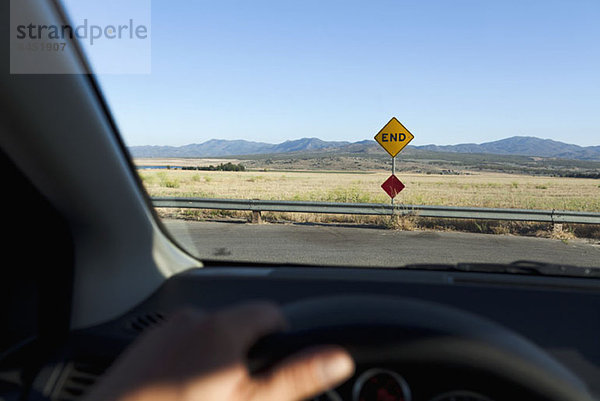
x=517, y=145
x=524, y=146
x=223, y=147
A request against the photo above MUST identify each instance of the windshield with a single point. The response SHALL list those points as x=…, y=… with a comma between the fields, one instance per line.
x=355, y=133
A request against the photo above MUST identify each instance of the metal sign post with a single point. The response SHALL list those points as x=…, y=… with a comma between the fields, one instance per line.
x=393, y=173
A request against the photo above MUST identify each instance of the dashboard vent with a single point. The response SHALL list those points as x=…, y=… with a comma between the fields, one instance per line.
x=77, y=379
x=142, y=322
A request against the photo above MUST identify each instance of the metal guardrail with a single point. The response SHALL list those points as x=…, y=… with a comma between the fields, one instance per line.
x=454, y=212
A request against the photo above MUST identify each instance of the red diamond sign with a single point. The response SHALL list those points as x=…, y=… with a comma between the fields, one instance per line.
x=392, y=186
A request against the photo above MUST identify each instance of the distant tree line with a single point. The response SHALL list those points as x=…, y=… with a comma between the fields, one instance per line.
x=581, y=175
x=220, y=167
x=537, y=171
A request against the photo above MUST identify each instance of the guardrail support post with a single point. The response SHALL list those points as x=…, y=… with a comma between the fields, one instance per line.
x=557, y=228
x=256, y=217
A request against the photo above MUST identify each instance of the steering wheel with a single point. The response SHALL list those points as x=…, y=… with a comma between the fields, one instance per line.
x=429, y=337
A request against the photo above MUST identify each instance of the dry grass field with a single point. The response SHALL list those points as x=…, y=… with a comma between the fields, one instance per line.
x=481, y=189
x=475, y=189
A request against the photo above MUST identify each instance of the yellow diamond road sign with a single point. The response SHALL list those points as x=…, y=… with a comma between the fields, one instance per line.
x=394, y=137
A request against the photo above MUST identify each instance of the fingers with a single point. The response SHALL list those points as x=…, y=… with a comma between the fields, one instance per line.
x=305, y=375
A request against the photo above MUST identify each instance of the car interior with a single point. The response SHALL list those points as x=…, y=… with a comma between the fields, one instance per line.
x=88, y=267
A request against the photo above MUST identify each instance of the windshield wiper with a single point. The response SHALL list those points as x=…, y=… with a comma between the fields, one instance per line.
x=525, y=267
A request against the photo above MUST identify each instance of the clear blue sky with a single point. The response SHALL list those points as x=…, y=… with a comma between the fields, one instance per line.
x=451, y=71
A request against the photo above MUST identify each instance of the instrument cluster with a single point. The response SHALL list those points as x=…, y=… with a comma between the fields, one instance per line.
x=386, y=385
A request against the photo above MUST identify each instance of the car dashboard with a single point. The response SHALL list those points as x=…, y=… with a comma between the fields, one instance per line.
x=559, y=315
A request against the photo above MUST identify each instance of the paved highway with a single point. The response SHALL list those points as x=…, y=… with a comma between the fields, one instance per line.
x=368, y=247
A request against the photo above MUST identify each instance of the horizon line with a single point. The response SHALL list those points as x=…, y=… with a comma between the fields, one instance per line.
x=362, y=140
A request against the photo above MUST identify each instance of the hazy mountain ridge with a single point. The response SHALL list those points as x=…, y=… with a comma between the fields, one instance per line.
x=223, y=147
x=518, y=145
x=524, y=146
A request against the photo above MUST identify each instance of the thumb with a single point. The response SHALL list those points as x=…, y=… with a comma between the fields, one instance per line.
x=305, y=375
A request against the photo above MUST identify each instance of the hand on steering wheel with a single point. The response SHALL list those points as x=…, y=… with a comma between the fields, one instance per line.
x=201, y=357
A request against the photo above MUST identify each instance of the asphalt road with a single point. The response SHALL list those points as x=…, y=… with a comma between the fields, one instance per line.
x=368, y=247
